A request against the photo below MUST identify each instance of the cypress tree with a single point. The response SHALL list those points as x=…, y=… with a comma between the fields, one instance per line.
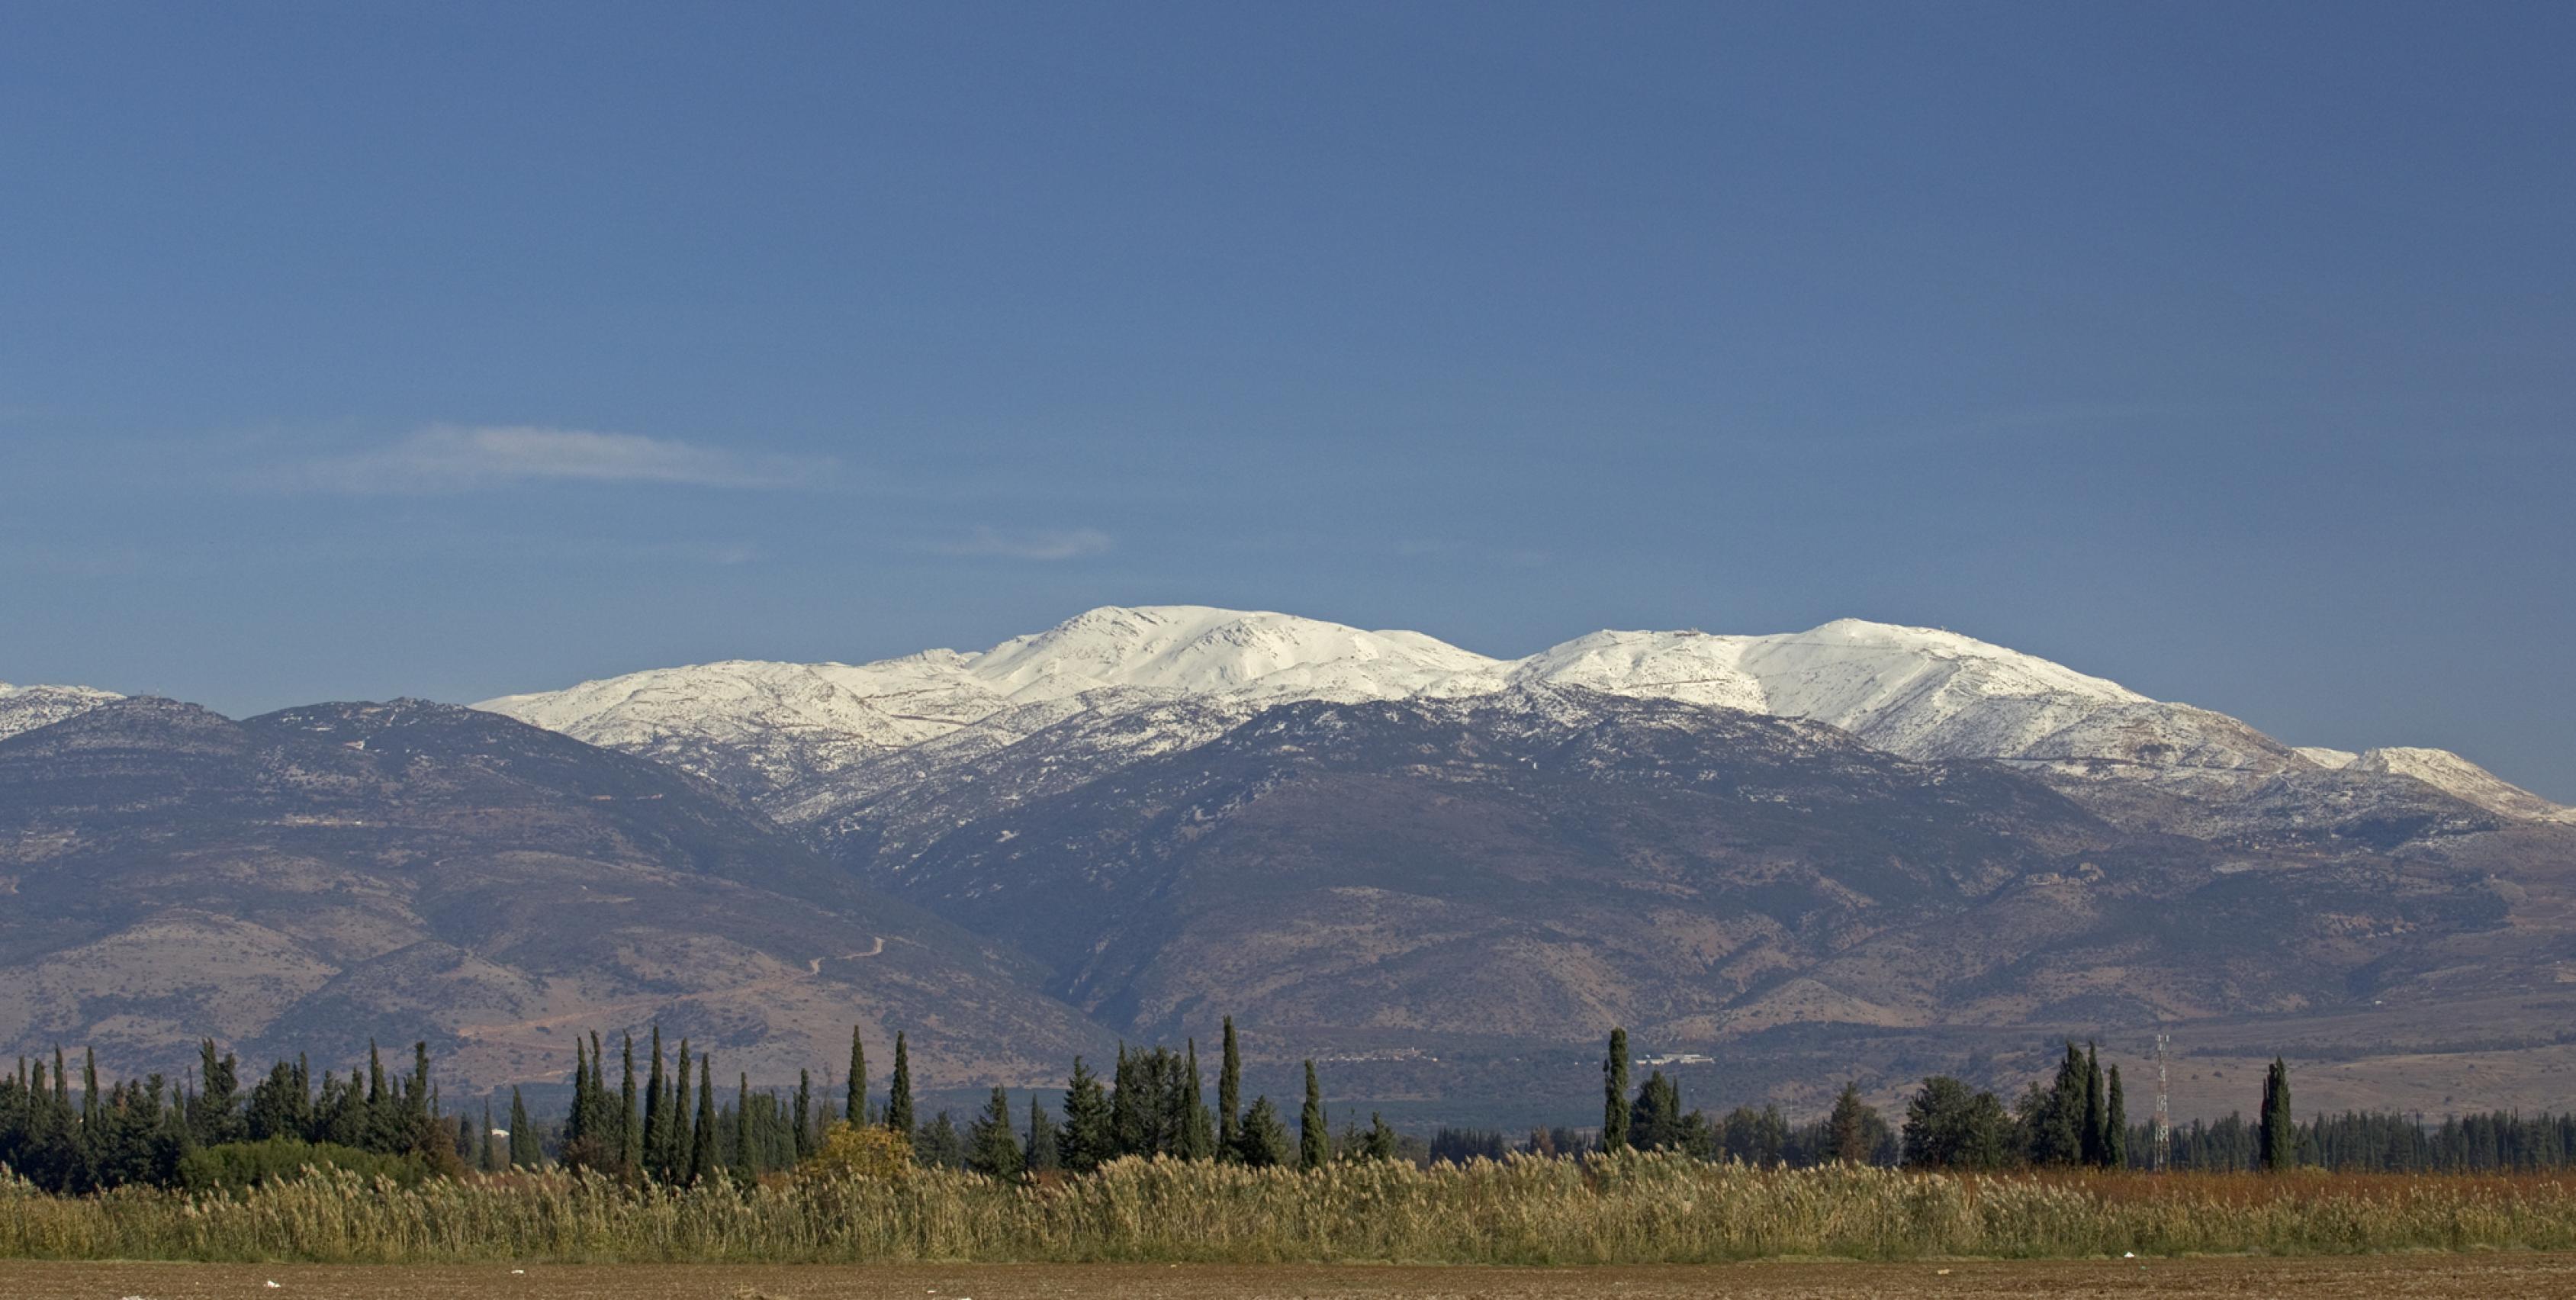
x=1197, y=1139
x=2097, y=1112
x=1614, y=1093
x=2115, y=1142
x=488, y=1157
x=684, y=1143
x=2279, y=1138
x=1126, y=1127
x=379, y=1112
x=657, y=1113
x=1087, y=1142
x=1229, y=1096
x=2056, y=1116
x=577, y=1121
x=855, y=1112
x=742, y=1134
x=899, y=1093
x=1041, y=1154
x=702, y=1141
x=421, y=1100
x=630, y=1124
x=213, y=1117
x=1314, y=1142
x=803, y=1132
x=524, y=1153
x=991, y=1150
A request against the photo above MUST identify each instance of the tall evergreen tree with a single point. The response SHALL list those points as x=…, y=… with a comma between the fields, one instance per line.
x=684, y=1142
x=991, y=1148
x=1263, y=1140
x=1381, y=1139
x=1041, y=1154
x=420, y=1100
x=2097, y=1110
x=1127, y=1129
x=899, y=1093
x=938, y=1146
x=1087, y=1142
x=213, y=1114
x=703, y=1160
x=1197, y=1138
x=657, y=1113
x=488, y=1157
x=2054, y=1117
x=1314, y=1141
x=1655, y=1119
x=743, y=1138
x=630, y=1122
x=1847, y=1131
x=1614, y=1093
x=2115, y=1147
x=2279, y=1142
x=1229, y=1095
x=803, y=1119
x=524, y=1152
x=578, y=1121
x=855, y=1111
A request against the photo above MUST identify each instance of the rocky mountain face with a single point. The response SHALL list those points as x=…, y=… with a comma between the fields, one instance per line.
x=309, y=879
x=1861, y=846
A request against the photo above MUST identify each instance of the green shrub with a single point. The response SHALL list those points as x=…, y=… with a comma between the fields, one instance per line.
x=236, y=1166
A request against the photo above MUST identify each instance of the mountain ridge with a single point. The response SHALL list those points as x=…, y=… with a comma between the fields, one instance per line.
x=1916, y=692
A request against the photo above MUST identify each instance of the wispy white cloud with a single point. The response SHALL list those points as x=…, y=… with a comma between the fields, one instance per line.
x=1038, y=544
x=458, y=458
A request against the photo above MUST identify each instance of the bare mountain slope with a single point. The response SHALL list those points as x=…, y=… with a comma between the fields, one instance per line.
x=311, y=878
x=1539, y=864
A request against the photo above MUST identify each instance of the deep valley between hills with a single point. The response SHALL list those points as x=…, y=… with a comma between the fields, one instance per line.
x=1867, y=854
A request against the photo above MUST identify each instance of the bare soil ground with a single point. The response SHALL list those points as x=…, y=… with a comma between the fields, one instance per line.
x=2385, y=1277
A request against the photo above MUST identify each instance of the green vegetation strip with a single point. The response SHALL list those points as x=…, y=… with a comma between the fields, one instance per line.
x=1627, y=1209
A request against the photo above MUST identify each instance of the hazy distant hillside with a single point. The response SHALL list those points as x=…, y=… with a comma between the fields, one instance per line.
x=310, y=878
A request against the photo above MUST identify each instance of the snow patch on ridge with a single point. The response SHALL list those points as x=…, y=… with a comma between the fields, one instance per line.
x=25, y=708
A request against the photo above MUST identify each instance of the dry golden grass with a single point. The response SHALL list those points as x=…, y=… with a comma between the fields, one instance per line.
x=1632, y=1210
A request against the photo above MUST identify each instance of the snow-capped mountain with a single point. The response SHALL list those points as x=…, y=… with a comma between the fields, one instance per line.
x=25, y=708
x=2450, y=773
x=813, y=740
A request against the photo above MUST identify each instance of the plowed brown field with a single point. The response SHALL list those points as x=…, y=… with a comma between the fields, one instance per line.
x=2398, y=1277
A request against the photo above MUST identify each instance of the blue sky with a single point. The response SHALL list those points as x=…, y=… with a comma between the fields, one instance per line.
x=2226, y=350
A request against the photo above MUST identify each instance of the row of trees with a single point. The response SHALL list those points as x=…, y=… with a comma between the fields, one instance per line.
x=146, y=1130
x=672, y=1122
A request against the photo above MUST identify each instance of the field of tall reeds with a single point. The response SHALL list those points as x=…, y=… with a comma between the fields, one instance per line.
x=1522, y=1210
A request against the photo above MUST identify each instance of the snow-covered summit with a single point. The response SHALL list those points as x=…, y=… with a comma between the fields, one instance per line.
x=1923, y=693
x=1197, y=650
x=25, y=708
